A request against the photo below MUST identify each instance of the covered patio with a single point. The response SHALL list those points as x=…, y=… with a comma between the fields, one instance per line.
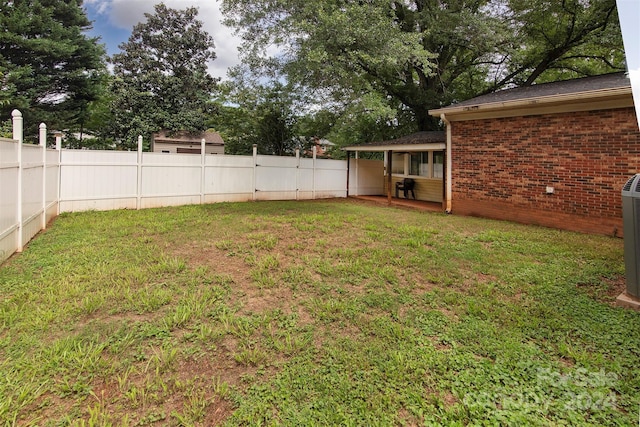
x=419, y=157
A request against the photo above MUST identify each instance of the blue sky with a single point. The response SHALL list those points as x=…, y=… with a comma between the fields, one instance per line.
x=114, y=19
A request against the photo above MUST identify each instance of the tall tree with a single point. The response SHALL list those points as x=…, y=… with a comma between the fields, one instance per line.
x=419, y=55
x=49, y=67
x=160, y=77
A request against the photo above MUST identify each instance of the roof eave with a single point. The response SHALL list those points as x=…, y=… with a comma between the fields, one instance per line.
x=602, y=99
x=397, y=147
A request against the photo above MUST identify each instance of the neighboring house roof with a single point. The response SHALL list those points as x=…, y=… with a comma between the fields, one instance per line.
x=420, y=141
x=583, y=94
x=185, y=137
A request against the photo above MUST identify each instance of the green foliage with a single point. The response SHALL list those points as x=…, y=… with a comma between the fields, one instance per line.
x=263, y=115
x=236, y=127
x=565, y=39
x=6, y=129
x=387, y=63
x=160, y=77
x=50, y=70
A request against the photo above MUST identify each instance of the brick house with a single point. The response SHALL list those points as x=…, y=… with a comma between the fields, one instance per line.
x=554, y=154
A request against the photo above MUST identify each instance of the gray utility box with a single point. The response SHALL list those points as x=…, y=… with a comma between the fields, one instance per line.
x=631, y=222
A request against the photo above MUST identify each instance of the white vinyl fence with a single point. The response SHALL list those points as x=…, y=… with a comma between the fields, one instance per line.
x=106, y=180
x=28, y=189
x=37, y=183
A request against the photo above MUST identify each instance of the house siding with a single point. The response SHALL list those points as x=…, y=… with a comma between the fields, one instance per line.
x=428, y=190
x=501, y=168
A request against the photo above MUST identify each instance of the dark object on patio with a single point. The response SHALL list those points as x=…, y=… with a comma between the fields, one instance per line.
x=406, y=185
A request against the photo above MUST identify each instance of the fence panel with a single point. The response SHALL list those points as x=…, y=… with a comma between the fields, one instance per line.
x=276, y=178
x=32, y=190
x=99, y=180
x=306, y=179
x=170, y=179
x=228, y=178
x=330, y=178
x=51, y=184
x=9, y=169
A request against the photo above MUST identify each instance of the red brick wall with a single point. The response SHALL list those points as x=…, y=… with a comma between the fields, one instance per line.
x=501, y=168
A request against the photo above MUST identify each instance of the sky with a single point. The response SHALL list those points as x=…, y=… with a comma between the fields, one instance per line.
x=113, y=21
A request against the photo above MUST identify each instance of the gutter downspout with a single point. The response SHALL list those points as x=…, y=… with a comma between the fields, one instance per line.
x=447, y=192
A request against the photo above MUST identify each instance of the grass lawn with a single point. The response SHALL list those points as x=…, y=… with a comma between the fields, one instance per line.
x=331, y=312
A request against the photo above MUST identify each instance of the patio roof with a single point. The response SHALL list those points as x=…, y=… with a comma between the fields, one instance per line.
x=420, y=141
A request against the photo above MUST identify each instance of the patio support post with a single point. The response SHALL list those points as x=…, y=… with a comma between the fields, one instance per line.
x=389, y=157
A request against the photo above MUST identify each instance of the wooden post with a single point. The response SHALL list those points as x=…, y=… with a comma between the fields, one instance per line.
x=389, y=168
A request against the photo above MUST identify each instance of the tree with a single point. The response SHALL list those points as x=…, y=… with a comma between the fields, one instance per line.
x=417, y=55
x=48, y=66
x=572, y=37
x=260, y=114
x=160, y=77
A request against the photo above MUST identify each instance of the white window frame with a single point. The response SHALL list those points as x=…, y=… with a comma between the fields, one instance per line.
x=407, y=165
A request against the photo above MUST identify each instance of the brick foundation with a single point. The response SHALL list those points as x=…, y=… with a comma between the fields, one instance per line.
x=501, y=168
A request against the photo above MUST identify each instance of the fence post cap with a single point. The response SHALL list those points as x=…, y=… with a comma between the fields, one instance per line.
x=43, y=126
x=16, y=113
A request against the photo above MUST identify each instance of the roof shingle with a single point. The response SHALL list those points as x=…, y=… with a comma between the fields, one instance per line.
x=584, y=84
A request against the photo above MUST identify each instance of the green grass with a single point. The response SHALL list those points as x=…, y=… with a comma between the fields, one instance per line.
x=314, y=313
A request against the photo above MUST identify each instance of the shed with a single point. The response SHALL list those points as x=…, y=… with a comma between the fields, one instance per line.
x=186, y=142
x=554, y=154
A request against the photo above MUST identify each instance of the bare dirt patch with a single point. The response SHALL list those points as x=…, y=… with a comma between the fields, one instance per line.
x=607, y=290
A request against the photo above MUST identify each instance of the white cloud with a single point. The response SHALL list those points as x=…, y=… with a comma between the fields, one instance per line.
x=125, y=14
x=101, y=6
